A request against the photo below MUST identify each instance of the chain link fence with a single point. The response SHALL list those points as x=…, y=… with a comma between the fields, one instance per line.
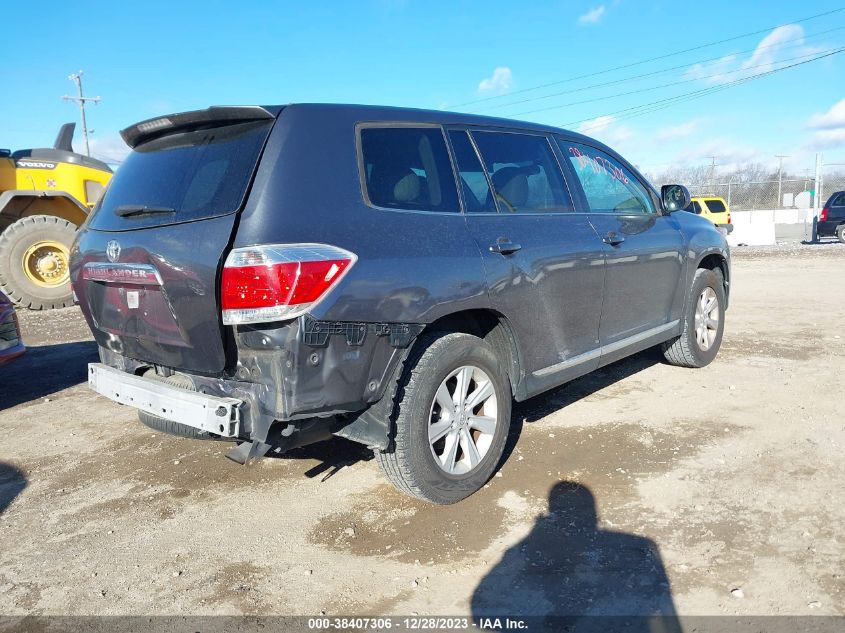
x=770, y=194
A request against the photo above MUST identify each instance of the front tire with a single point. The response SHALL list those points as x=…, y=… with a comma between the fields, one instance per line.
x=34, y=262
x=451, y=418
x=703, y=325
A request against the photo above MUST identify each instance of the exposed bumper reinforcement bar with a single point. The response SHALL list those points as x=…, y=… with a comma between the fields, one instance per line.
x=212, y=414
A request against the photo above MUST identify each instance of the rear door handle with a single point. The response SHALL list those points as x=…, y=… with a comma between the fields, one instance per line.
x=613, y=239
x=504, y=246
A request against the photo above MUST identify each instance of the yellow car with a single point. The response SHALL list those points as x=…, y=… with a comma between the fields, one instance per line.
x=714, y=209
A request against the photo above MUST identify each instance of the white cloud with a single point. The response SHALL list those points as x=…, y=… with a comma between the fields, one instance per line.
x=767, y=50
x=830, y=128
x=499, y=83
x=763, y=59
x=109, y=148
x=674, y=132
x=593, y=16
x=606, y=129
x=730, y=155
x=827, y=139
x=599, y=124
x=714, y=72
x=833, y=118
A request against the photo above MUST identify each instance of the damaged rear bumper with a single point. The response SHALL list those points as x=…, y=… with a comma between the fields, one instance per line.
x=283, y=379
x=211, y=414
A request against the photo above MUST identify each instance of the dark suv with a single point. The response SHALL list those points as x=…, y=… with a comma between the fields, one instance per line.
x=832, y=217
x=277, y=275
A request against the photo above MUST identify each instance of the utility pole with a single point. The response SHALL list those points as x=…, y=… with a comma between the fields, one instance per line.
x=814, y=236
x=81, y=99
x=712, y=174
x=780, y=158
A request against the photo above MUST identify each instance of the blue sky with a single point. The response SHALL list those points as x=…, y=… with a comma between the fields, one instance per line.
x=150, y=58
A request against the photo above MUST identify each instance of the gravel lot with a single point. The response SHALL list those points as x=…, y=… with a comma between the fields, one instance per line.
x=641, y=487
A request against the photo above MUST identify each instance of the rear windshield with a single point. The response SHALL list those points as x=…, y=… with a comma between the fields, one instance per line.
x=182, y=177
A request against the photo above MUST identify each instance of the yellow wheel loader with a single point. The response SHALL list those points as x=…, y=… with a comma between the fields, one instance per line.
x=45, y=194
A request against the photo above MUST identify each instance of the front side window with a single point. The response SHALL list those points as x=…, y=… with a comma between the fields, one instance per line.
x=608, y=186
x=408, y=168
x=525, y=175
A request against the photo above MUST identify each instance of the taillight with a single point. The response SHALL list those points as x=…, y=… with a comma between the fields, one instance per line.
x=273, y=282
x=823, y=215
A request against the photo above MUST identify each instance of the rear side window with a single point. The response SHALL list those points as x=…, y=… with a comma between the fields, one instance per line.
x=525, y=175
x=477, y=195
x=608, y=185
x=408, y=168
x=185, y=176
x=716, y=206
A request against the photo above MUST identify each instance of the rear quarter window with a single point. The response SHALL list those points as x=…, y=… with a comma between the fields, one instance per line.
x=407, y=168
x=715, y=206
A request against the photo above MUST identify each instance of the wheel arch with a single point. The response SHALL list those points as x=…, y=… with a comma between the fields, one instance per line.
x=18, y=204
x=495, y=329
x=717, y=261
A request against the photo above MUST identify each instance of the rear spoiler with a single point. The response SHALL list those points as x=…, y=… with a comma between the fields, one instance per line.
x=214, y=116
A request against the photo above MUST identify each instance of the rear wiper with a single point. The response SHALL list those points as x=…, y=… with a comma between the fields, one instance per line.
x=127, y=210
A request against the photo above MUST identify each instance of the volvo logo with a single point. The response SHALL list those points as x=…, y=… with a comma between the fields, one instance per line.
x=113, y=250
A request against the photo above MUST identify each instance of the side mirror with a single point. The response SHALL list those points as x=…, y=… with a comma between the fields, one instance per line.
x=674, y=197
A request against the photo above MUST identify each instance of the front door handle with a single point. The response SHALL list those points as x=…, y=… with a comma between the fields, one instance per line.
x=504, y=246
x=613, y=239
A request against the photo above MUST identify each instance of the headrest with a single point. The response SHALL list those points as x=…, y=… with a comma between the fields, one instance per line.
x=407, y=189
x=512, y=184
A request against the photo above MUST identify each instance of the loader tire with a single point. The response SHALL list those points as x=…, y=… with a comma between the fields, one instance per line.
x=35, y=262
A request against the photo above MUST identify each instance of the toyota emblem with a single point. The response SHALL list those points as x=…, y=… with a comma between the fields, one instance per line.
x=113, y=250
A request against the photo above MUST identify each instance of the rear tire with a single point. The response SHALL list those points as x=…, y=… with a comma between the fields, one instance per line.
x=34, y=262
x=694, y=348
x=840, y=233
x=471, y=429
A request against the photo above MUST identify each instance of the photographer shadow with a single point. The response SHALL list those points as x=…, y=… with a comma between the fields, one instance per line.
x=570, y=574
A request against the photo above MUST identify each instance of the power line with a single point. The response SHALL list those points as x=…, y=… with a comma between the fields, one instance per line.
x=689, y=96
x=651, y=59
x=668, y=85
x=800, y=41
x=660, y=104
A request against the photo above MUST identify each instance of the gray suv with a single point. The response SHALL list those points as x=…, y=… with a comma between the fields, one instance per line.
x=273, y=276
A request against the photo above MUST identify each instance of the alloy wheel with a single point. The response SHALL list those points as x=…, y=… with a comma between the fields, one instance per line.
x=706, y=318
x=463, y=420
